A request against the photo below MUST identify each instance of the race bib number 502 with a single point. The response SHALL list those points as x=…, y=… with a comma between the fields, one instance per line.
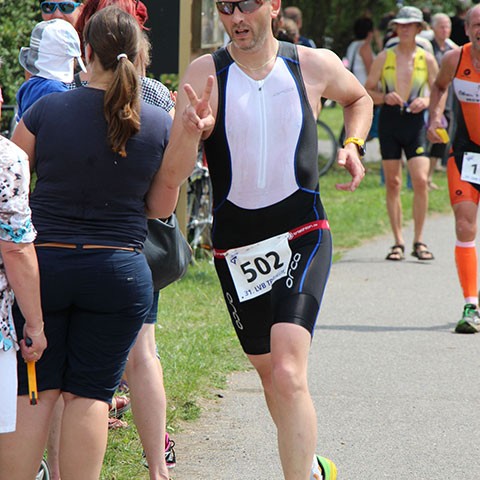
x=256, y=267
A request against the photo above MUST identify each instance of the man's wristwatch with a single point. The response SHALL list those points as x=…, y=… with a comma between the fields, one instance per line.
x=359, y=143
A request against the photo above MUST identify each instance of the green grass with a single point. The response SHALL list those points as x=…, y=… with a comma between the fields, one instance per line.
x=201, y=344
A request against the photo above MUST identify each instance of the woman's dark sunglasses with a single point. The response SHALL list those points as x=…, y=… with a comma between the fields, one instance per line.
x=245, y=6
x=64, y=7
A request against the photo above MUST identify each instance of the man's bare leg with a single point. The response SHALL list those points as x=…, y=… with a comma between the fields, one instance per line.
x=393, y=184
x=418, y=168
x=284, y=377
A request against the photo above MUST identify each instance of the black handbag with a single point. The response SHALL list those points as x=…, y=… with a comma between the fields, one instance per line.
x=168, y=252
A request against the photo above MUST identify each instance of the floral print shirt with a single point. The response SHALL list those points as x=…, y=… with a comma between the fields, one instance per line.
x=15, y=225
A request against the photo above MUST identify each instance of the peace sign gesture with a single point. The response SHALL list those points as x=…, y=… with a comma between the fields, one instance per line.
x=197, y=116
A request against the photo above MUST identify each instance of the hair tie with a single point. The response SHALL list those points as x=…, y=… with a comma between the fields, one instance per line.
x=121, y=55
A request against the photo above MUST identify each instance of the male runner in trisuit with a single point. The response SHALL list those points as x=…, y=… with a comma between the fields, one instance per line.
x=462, y=67
x=270, y=234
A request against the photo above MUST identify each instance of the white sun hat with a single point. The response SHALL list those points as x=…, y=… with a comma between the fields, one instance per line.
x=409, y=15
x=54, y=45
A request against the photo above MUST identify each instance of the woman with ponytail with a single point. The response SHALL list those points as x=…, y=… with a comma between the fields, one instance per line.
x=116, y=74
x=144, y=372
x=96, y=152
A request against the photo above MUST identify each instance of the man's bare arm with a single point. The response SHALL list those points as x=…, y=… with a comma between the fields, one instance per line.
x=193, y=120
x=439, y=93
x=325, y=76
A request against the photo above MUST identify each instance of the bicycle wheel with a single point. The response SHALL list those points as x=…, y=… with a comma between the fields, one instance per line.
x=327, y=147
x=43, y=471
x=199, y=213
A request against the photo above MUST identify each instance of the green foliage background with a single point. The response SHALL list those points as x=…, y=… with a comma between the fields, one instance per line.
x=330, y=22
x=17, y=19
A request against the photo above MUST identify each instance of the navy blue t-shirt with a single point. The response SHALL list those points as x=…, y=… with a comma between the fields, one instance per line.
x=85, y=193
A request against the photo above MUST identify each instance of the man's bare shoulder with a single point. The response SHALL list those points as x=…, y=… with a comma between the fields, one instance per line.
x=319, y=62
x=315, y=54
x=452, y=57
x=198, y=71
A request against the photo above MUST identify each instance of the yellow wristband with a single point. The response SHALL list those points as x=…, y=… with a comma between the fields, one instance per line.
x=355, y=140
x=359, y=142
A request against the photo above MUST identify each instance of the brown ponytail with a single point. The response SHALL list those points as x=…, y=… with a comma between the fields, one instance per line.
x=115, y=39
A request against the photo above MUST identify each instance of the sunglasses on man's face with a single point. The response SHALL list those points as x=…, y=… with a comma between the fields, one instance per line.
x=65, y=7
x=245, y=6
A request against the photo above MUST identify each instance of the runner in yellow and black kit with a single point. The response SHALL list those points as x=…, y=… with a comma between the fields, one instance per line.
x=404, y=72
x=462, y=68
x=399, y=128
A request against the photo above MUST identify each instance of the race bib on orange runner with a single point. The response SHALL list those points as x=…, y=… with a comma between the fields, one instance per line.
x=256, y=267
x=467, y=91
x=471, y=167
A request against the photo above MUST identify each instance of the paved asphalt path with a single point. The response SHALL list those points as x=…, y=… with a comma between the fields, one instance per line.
x=396, y=391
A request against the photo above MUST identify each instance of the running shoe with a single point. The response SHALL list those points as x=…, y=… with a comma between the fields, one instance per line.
x=323, y=469
x=470, y=321
x=170, y=457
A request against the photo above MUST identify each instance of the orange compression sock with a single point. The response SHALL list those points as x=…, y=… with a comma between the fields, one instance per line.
x=466, y=260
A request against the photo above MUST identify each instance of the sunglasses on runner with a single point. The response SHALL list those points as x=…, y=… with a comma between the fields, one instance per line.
x=245, y=6
x=64, y=7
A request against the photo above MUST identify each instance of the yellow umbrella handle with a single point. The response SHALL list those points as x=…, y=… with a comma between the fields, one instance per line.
x=32, y=377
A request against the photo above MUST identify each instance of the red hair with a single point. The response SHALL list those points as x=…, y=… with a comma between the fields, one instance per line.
x=142, y=14
x=135, y=8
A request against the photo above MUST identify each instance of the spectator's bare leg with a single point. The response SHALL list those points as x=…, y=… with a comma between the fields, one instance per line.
x=147, y=393
x=21, y=451
x=83, y=443
x=53, y=442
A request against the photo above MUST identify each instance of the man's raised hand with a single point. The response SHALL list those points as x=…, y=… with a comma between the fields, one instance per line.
x=197, y=116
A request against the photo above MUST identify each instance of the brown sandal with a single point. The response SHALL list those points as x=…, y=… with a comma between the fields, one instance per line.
x=420, y=251
x=397, y=253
